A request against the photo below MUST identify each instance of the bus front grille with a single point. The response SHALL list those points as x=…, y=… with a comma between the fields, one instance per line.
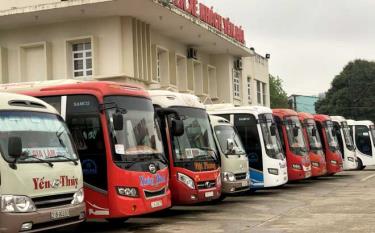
x=240, y=176
x=206, y=184
x=53, y=201
x=151, y=194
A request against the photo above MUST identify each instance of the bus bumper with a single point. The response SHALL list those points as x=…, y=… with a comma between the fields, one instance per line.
x=41, y=220
x=235, y=187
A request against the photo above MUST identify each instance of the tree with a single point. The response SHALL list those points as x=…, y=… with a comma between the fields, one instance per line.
x=279, y=98
x=352, y=92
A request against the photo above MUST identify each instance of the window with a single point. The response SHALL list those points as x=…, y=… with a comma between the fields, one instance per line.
x=249, y=89
x=82, y=59
x=264, y=94
x=236, y=83
x=259, y=92
x=158, y=72
x=362, y=139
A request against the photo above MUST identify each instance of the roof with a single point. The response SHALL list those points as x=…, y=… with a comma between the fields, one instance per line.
x=216, y=121
x=339, y=119
x=166, y=99
x=230, y=108
x=368, y=123
x=321, y=117
x=24, y=103
x=284, y=112
x=304, y=116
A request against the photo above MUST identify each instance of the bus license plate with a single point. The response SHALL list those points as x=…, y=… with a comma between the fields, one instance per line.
x=245, y=183
x=156, y=204
x=209, y=194
x=58, y=214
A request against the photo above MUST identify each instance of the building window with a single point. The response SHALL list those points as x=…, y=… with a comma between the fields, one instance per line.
x=158, y=72
x=264, y=94
x=259, y=92
x=249, y=89
x=82, y=59
x=236, y=83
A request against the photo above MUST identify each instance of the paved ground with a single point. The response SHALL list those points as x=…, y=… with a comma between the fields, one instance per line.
x=342, y=203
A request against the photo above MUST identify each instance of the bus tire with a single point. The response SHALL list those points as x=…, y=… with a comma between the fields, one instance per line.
x=360, y=164
x=117, y=221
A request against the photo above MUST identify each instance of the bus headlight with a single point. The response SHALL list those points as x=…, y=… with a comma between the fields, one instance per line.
x=78, y=197
x=17, y=204
x=186, y=180
x=128, y=191
x=315, y=164
x=334, y=162
x=351, y=159
x=297, y=166
x=273, y=171
x=229, y=176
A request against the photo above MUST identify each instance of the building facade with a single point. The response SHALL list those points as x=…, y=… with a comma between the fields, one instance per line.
x=158, y=44
x=302, y=103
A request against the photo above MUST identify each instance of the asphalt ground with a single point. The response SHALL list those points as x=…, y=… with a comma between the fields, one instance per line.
x=341, y=203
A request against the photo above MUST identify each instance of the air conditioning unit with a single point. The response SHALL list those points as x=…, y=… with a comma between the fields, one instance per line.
x=238, y=64
x=192, y=53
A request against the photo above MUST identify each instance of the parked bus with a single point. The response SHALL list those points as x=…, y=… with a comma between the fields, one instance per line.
x=345, y=141
x=314, y=144
x=193, y=157
x=235, y=175
x=42, y=184
x=118, y=140
x=294, y=144
x=330, y=143
x=363, y=133
x=258, y=133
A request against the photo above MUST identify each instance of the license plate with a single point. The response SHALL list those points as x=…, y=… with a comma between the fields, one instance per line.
x=245, y=183
x=307, y=174
x=58, y=214
x=156, y=204
x=209, y=194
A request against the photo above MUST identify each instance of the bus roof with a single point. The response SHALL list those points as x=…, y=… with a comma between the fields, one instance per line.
x=364, y=122
x=16, y=102
x=305, y=116
x=338, y=119
x=284, y=112
x=230, y=108
x=166, y=99
x=321, y=117
x=70, y=86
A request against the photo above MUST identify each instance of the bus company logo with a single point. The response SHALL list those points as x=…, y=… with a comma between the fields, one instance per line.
x=64, y=181
x=152, y=180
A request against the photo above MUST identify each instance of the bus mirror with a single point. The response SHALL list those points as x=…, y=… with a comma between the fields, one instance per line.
x=177, y=127
x=273, y=130
x=118, y=121
x=313, y=132
x=15, y=147
x=295, y=131
x=230, y=145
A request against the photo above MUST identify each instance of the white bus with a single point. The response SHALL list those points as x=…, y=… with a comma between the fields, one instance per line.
x=346, y=143
x=364, y=139
x=261, y=140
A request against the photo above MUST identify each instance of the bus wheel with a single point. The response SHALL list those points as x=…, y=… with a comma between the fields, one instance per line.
x=360, y=164
x=116, y=221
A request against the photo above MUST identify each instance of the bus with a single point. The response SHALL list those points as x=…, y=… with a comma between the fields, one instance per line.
x=345, y=140
x=235, y=175
x=314, y=144
x=330, y=143
x=294, y=144
x=256, y=128
x=192, y=152
x=363, y=133
x=41, y=175
x=113, y=125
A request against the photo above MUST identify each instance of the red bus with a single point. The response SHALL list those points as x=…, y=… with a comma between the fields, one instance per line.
x=314, y=144
x=330, y=144
x=119, y=144
x=193, y=157
x=297, y=156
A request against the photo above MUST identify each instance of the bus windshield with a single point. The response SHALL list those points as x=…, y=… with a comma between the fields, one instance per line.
x=197, y=143
x=331, y=138
x=225, y=132
x=348, y=138
x=271, y=142
x=295, y=136
x=44, y=136
x=372, y=130
x=315, y=141
x=140, y=139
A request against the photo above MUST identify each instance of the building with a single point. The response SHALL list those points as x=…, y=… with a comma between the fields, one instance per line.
x=155, y=43
x=302, y=103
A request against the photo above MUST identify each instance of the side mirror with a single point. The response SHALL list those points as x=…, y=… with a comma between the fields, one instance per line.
x=230, y=144
x=177, y=127
x=15, y=147
x=273, y=130
x=313, y=132
x=118, y=121
x=295, y=131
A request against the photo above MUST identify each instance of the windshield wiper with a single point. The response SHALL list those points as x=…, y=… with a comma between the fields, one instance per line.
x=208, y=149
x=25, y=155
x=65, y=157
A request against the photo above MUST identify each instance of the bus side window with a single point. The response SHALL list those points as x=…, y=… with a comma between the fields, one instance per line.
x=362, y=139
x=337, y=127
x=280, y=129
x=83, y=119
x=320, y=130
